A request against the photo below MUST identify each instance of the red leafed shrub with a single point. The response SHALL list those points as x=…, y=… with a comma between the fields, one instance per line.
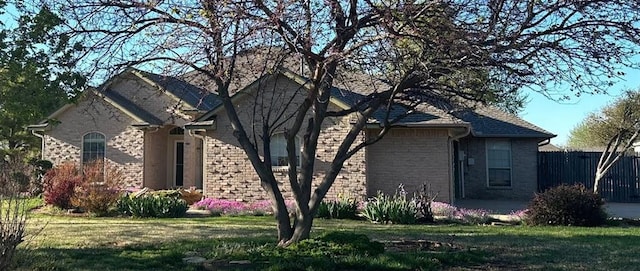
x=60, y=183
x=99, y=190
x=94, y=189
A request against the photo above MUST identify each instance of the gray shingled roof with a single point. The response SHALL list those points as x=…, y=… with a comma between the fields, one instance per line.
x=486, y=121
x=427, y=115
x=132, y=107
x=489, y=121
x=349, y=87
x=193, y=95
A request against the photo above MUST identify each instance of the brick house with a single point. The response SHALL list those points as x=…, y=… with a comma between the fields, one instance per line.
x=166, y=132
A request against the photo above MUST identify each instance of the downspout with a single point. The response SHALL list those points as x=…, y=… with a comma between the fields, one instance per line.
x=454, y=137
x=41, y=136
x=194, y=133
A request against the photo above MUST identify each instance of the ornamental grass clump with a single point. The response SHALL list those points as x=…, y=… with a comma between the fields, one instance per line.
x=396, y=209
x=151, y=205
x=343, y=208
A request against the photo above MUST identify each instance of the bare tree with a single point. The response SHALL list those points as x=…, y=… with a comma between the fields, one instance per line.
x=615, y=127
x=424, y=51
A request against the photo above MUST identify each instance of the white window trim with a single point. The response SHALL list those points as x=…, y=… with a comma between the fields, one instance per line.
x=486, y=151
x=286, y=168
x=104, y=157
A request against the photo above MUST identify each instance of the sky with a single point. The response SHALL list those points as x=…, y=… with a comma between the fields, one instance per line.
x=560, y=117
x=556, y=117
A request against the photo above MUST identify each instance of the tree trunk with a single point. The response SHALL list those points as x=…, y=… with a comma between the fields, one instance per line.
x=283, y=226
x=301, y=229
x=596, y=182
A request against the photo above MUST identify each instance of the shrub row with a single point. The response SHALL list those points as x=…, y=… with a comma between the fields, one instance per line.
x=96, y=189
x=337, y=209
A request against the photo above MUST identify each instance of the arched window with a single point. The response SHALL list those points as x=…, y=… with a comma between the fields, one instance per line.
x=93, y=146
x=279, y=157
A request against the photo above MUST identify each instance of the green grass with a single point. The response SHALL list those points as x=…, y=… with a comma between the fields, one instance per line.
x=80, y=243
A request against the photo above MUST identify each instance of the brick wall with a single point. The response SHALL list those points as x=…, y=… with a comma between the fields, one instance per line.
x=523, y=170
x=150, y=98
x=229, y=173
x=410, y=157
x=155, y=163
x=124, y=144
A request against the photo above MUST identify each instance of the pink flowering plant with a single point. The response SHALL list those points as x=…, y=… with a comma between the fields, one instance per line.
x=472, y=216
x=236, y=208
x=519, y=215
x=443, y=209
x=262, y=207
x=221, y=206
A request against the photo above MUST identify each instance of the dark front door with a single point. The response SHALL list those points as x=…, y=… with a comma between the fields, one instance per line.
x=179, y=164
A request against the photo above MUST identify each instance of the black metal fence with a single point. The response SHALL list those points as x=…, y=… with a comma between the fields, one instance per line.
x=620, y=184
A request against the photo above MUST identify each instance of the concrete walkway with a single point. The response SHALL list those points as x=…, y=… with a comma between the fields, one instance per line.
x=505, y=207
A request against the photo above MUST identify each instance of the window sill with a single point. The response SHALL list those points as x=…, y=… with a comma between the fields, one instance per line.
x=499, y=187
x=280, y=168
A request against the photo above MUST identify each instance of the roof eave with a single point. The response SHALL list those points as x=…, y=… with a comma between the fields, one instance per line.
x=201, y=125
x=423, y=125
x=41, y=127
x=541, y=135
x=145, y=125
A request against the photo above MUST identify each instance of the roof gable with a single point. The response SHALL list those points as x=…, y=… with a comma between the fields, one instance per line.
x=253, y=86
x=194, y=96
x=128, y=109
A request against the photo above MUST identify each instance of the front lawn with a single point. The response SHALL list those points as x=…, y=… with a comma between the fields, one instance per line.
x=81, y=243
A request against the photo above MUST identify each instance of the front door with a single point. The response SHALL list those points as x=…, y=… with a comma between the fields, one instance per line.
x=458, y=170
x=178, y=169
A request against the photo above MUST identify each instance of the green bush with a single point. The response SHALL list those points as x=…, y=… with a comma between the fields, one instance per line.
x=569, y=205
x=338, y=209
x=386, y=209
x=150, y=205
